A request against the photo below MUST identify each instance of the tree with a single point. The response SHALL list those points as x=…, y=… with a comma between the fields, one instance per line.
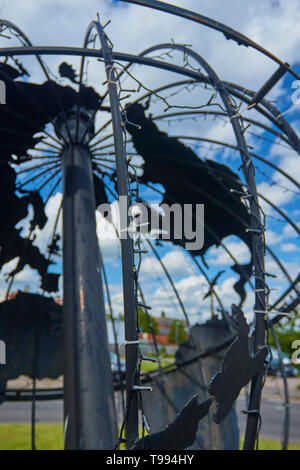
x=177, y=334
x=287, y=332
x=147, y=323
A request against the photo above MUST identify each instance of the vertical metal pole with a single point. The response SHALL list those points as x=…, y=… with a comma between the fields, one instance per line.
x=90, y=420
x=286, y=423
x=131, y=350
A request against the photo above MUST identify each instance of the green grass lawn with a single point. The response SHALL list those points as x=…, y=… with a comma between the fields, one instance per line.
x=49, y=436
x=268, y=444
x=148, y=366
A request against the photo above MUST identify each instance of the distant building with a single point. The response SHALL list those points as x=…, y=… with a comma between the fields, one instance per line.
x=13, y=295
x=164, y=326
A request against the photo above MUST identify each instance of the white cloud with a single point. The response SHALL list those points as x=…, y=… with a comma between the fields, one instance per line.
x=273, y=193
x=281, y=281
x=219, y=257
x=176, y=263
x=290, y=232
x=108, y=239
x=192, y=289
x=134, y=28
x=283, y=191
x=65, y=22
x=273, y=238
x=289, y=247
x=27, y=278
x=44, y=236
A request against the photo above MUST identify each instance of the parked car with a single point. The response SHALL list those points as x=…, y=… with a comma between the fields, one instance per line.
x=275, y=368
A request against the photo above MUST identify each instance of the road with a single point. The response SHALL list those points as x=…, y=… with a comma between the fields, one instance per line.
x=272, y=415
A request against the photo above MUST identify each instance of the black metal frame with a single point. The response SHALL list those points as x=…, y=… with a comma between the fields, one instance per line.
x=225, y=90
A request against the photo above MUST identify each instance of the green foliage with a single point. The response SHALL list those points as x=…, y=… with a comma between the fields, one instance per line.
x=287, y=333
x=150, y=366
x=144, y=321
x=286, y=340
x=119, y=318
x=177, y=334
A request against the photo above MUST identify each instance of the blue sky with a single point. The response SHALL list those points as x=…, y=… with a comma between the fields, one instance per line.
x=273, y=24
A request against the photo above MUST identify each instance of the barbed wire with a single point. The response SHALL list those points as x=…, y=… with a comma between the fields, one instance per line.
x=134, y=195
x=157, y=95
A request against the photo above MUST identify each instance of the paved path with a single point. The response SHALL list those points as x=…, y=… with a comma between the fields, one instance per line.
x=272, y=415
x=272, y=412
